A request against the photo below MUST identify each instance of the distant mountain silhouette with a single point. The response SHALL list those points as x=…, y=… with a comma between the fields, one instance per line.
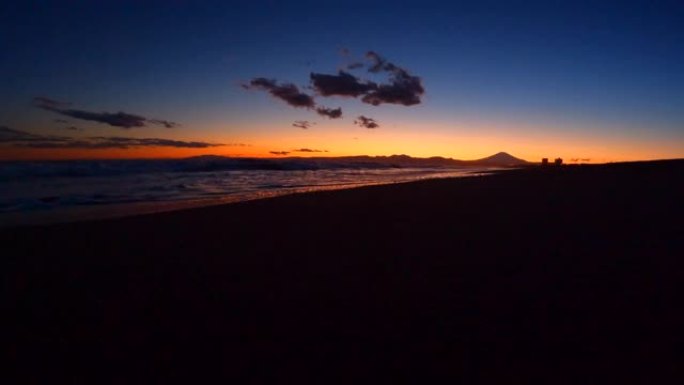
x=501, y=159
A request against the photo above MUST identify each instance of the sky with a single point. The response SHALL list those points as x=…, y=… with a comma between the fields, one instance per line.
x=585, y=81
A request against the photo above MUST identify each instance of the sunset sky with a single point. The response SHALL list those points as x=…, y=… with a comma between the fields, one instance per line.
x=580, y=80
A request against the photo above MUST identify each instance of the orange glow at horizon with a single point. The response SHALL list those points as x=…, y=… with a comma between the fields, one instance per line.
x=451, y=140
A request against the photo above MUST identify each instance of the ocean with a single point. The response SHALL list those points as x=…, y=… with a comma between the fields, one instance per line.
x=63, y=191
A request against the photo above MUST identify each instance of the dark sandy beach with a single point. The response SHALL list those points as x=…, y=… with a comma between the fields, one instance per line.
x=557, y=275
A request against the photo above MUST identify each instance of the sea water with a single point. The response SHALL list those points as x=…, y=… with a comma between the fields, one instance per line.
x=61, y=191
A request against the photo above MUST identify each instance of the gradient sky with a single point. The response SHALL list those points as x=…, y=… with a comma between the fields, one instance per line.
x=581, y=80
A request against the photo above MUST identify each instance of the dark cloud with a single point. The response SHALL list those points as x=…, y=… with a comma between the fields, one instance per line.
x=332, y=113
x=308, y=150
x=25, y=139
x=61, y=121
x=71, y=144
x=342, y=84
x=287, y=92
x=48, y=103
x=363, y=121
x=580, y=159
x=119, y=142
x=379, y=64
x=403, y=88
x=116, y=119
x=279, y=152
x=152, y=142
x=305, y=124
x=405, y=92
x=73, y=128
x=291, y=94
x=11, y=136
x=164, y=123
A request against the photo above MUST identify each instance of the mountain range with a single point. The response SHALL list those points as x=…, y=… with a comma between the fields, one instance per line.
x=501, y=159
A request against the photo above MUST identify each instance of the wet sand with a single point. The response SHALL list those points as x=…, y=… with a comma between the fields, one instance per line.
x=558, y=275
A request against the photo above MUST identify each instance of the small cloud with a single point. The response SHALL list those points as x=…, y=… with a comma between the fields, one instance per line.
x=116, y=119
x=378, y=63
x=164, y=123
x=152, y=142
x=355, y=65
x=332, y=113
x=61, y=121
x=279, y=152
x=287, y=92
x=308, y=150
x=12, y=137
x=48, y=103
x=17, y=138
x=363, y=121
x=305, y=124
x=73, y=128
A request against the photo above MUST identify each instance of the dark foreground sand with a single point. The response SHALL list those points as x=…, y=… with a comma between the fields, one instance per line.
x=568, y=275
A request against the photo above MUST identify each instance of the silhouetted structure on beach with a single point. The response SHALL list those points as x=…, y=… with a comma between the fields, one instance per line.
x=556, y=162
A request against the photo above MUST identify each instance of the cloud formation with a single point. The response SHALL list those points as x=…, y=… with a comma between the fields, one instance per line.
x=116, y=119
x=287, y=92
x=164, y=123
x=11, y=136
x=403, y=88
x=342, y=84
x=363, y=121
x=305, y=124
x=332, y=113
x=308, y=150
x=279, y=152
x=355, y=65
x=17, y=138
x=48, y=103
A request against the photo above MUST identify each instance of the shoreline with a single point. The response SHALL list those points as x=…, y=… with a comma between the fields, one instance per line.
x=73, y=214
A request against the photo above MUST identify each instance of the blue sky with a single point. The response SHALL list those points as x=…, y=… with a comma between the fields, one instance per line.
x=601, y=72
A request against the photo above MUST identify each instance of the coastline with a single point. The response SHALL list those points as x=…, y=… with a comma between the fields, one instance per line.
x=553, y=274
x=82, y=213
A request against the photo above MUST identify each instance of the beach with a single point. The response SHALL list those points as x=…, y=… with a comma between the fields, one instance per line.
x=554, y=274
